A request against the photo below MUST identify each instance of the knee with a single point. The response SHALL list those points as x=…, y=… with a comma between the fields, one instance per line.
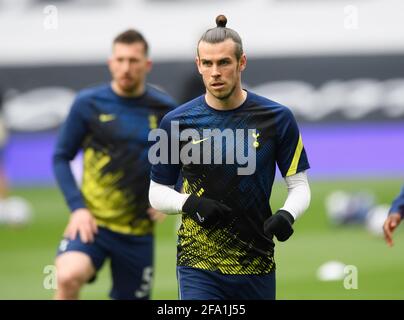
x=69, y=280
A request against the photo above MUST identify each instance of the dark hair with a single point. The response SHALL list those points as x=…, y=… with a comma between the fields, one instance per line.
x=221, y=33
x=132, y=36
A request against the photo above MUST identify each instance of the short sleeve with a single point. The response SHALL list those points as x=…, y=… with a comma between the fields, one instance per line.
x=291, y=155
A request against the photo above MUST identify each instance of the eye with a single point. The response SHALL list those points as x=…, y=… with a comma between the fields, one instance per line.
x=206, y=63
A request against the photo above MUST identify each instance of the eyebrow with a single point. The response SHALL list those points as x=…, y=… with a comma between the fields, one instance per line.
x=220, y=60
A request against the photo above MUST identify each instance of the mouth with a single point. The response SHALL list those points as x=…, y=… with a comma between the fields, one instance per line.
x=217, y=85
x=126, y=81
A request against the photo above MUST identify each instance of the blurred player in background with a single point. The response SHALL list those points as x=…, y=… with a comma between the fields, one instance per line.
x=3, y=141
x=111, y=216
x=396, y=213
x=15, y=211
x=225, y=245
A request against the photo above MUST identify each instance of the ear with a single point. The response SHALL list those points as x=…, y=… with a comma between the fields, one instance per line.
x=149, y=65
x=198, y=64
x=110, y=63
x=243, y=62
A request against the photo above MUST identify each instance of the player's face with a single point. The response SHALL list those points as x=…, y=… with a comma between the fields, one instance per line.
x=129, y=65
x=219, y=67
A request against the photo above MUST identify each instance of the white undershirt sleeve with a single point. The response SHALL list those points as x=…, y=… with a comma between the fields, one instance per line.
x=299, y=195
x=165, y=198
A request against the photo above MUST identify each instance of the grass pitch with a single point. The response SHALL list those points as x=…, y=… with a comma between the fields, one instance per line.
x=25, y=252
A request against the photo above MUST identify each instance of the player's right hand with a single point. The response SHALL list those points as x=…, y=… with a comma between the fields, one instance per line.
x=391, y=223
x=81, y=223
x=206, y=212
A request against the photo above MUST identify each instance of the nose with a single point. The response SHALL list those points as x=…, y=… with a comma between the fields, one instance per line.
x=215, y=72
x=126, y=65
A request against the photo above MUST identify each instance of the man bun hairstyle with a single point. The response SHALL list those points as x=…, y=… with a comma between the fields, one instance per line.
x=221, y=33
x=221, y=21
x=131, y=36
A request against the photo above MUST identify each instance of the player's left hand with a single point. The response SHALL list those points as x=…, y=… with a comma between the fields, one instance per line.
x=280, y=225
x=391, y=223
x=156, y=215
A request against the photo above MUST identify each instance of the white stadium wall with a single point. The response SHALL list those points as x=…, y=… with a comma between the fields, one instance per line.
x=32, y=32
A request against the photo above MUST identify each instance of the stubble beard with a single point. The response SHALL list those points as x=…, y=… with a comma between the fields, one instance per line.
x=225, y=96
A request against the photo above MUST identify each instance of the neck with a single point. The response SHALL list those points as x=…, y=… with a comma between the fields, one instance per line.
x=135, y=92
x=235, y=100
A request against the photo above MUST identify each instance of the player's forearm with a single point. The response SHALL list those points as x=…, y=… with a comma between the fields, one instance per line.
x=299, y=195
x=165, y=198
x=66, y=182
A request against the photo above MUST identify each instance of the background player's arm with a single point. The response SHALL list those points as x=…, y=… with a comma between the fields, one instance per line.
x=156, y=215
x=70, y=140
x=394, y=218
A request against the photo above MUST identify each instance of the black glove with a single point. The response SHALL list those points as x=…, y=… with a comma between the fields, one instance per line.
x=280, y=225
x=204, y=211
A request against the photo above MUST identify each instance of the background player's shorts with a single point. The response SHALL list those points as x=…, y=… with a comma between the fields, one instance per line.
x=131, y=261
x=198, y=284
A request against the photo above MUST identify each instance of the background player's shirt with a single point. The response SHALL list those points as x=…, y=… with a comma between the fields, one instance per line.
x=398, y=204
x=113, y=133
x=237, y=245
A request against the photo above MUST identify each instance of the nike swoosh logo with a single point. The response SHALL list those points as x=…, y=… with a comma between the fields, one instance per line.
x=201, y=219
x=199, y=141
x=107, y=117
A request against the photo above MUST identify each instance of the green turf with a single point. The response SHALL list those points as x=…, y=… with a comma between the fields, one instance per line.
x=24, y=253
